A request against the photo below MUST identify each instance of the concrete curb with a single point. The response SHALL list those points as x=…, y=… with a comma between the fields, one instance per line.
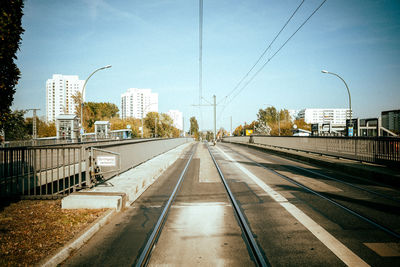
x=78, y=242
x=131, y=184
x=98, y=200
x=369, y=172
x=119, y=201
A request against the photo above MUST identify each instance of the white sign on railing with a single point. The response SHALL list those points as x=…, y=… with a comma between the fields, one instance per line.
x=106, y=161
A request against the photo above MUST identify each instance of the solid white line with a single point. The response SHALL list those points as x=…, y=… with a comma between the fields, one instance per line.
x=340, y=250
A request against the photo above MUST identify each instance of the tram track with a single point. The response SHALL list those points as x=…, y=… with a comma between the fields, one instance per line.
x=145, y=255
x=255, y=252
x=363, y=217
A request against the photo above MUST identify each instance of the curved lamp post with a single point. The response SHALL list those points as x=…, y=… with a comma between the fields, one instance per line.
x=83, y=90
x=348, y=91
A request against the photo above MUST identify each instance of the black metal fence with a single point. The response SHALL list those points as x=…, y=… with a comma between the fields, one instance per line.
x=381, y=150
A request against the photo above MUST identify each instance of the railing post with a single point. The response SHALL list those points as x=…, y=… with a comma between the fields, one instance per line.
x=81, y=151
x=356, y=147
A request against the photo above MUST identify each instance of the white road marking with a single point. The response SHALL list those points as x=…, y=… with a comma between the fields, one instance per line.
x=340, y=250
x=385, y=249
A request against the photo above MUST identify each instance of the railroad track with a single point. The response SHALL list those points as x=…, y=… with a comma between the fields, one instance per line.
x=372, y=221
x=253, y=248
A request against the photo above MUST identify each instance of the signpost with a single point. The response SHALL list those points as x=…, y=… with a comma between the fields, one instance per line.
x=249, y=132
x=106, y=161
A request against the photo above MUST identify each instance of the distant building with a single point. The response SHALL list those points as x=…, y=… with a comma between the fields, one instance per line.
x=59, y=92
x=334, y=116
x=137, y=103
x=391, y=120
x=177, y=118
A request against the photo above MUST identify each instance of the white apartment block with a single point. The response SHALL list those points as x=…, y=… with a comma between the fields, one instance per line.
x=177, y=118
x=59, y=92
x=137, y=103
x=334, y=116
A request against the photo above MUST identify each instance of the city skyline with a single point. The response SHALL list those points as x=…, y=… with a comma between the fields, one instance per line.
x=155, y=45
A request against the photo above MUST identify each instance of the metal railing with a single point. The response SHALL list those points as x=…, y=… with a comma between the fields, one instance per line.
x=42, y=171
x=57, y=142
x=52, y=171
x=381, y=150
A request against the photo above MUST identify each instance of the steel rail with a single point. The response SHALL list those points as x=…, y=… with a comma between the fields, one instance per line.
x=249, y=238
x=347, y=183
x=343, y=182
x=357, y=214
x=145, y=255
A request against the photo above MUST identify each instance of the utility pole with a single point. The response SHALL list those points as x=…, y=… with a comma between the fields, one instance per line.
x=155, y=128
x=215, y=114
x=231, y=126
x=34, y=128
x=183, y=126
x=279, y=124
x=215, y=118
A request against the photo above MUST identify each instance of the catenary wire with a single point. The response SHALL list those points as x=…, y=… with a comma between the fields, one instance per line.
x=264, y=52
x=280, y=48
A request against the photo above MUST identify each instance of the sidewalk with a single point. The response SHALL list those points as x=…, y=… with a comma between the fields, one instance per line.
x=125, y=188
x=117, y=193
x=378, y=173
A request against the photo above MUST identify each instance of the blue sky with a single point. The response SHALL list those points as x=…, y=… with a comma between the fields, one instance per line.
x=155, y=44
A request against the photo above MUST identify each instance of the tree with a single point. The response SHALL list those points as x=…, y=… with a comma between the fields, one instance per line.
x=47, y=129
x=209, y=136
x=275, y=122
x=301, y=124
x=43, y=129
x=222, y=132
x=15, y=127
x=268, y=115
x=10, y=36
x=94, y=111
x=160, y=125
x=194, y=126
x=119, y=124
x=238, y=131
x=99, y=111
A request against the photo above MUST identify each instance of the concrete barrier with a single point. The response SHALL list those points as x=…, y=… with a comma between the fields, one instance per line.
x=125, y=188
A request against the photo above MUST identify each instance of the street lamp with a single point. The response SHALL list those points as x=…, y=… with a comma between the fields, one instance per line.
x=143, y=110
x=348, y=91
x=83, y=90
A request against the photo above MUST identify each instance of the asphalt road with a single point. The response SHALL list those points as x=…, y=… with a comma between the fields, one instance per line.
x=292, y=226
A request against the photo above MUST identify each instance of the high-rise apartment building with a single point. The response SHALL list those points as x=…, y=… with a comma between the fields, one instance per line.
x=138, y=102
x=59, y=92
x=177, y=118
x=334, y=116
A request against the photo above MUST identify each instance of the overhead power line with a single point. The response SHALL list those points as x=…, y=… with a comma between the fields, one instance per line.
x=265, y=51
x=280, y=48
x=200, y=61
x=200, y=49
